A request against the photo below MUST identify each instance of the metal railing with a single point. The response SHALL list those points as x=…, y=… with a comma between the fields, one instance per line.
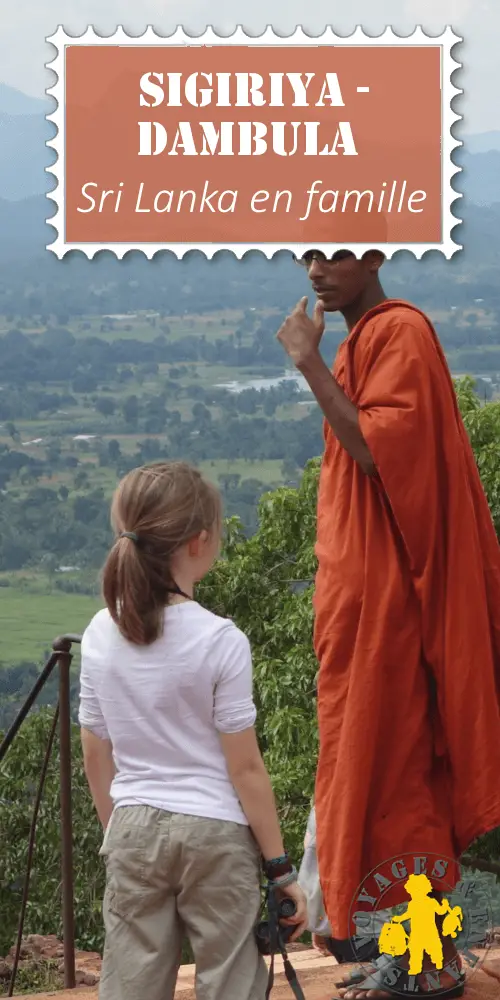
x=61, y=657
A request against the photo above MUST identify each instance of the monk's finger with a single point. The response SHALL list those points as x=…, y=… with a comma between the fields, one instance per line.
x=302, y=305
x=319, y=315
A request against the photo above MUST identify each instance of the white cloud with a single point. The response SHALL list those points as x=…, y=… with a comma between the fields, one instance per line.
x=23, y=51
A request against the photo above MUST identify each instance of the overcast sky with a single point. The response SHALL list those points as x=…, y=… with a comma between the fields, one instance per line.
x=26, y=23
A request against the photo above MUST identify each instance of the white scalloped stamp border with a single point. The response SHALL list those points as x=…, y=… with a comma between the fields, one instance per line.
x=447, y=40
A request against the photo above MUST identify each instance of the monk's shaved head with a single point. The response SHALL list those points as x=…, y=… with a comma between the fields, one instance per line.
x=344, y=280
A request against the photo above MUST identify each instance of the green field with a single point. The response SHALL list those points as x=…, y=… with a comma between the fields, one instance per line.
x=29, y=622
x=267, y=470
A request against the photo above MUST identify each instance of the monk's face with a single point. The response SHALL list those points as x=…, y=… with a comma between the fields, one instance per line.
x=343, y=280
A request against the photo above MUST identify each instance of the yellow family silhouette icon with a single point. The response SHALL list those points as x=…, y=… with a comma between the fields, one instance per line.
x=424, y=937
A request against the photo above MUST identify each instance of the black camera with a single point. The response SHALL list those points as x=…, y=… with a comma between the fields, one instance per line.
x=270, y=935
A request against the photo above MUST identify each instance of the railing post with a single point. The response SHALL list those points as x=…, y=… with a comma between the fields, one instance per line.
x=62, y=647
x=28, y=704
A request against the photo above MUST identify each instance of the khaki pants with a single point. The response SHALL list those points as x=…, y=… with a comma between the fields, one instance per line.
x=170, y=877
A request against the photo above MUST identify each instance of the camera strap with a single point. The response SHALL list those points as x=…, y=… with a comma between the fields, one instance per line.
x=277, y=944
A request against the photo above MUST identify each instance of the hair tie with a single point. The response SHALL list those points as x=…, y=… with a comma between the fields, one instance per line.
x=129, y=534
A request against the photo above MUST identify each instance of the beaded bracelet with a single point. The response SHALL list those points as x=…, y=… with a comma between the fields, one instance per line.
x=277, y=866
x=276, y=861
x=283, y=880
x=274, y=872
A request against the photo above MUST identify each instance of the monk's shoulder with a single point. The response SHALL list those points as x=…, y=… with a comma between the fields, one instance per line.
x=402, y=327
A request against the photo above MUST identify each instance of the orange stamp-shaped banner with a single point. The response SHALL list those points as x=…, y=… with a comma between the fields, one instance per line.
x=254, y=143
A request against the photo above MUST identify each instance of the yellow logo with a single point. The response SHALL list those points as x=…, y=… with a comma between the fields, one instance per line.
x=444, y=927
x=423, y=937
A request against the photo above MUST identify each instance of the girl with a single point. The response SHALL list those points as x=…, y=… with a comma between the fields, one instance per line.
x=171, y=755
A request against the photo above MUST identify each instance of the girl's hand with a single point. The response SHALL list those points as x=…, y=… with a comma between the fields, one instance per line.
x=299, y=920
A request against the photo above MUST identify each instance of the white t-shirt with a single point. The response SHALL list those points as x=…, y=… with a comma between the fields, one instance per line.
x=162, y=706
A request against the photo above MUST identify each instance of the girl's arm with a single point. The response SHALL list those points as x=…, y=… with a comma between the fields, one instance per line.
x=253, y=788
x=100, y=772
x=234, y=718
x=97, y=749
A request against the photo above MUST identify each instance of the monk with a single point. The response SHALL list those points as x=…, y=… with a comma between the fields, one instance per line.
x=407, y=600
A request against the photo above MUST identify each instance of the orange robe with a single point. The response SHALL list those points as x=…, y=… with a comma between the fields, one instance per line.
x=407, y=620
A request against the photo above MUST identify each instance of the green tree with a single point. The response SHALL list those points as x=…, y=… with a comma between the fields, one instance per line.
x=105, y=405
x=483, y=426
x=131, y=411
x=270, y=405
x=114, y=450
x=81, y=480
x=12, y=431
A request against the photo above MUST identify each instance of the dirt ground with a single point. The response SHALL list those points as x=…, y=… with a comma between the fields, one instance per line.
x=317, y=976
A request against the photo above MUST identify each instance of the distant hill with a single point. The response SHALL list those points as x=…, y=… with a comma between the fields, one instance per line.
x=23, y=229
x=480, y=180
x=483, y=142
x=14, y=102
x=24, y=155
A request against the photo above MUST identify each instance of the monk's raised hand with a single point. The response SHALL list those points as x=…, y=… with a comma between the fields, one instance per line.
x=301, y=335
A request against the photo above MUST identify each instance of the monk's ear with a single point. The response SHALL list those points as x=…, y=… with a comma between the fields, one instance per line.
x=374, y=260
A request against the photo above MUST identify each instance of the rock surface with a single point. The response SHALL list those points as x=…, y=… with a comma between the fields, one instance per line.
x=37, y=949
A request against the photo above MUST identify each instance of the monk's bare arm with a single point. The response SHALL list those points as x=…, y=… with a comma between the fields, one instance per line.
x=340, y=413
